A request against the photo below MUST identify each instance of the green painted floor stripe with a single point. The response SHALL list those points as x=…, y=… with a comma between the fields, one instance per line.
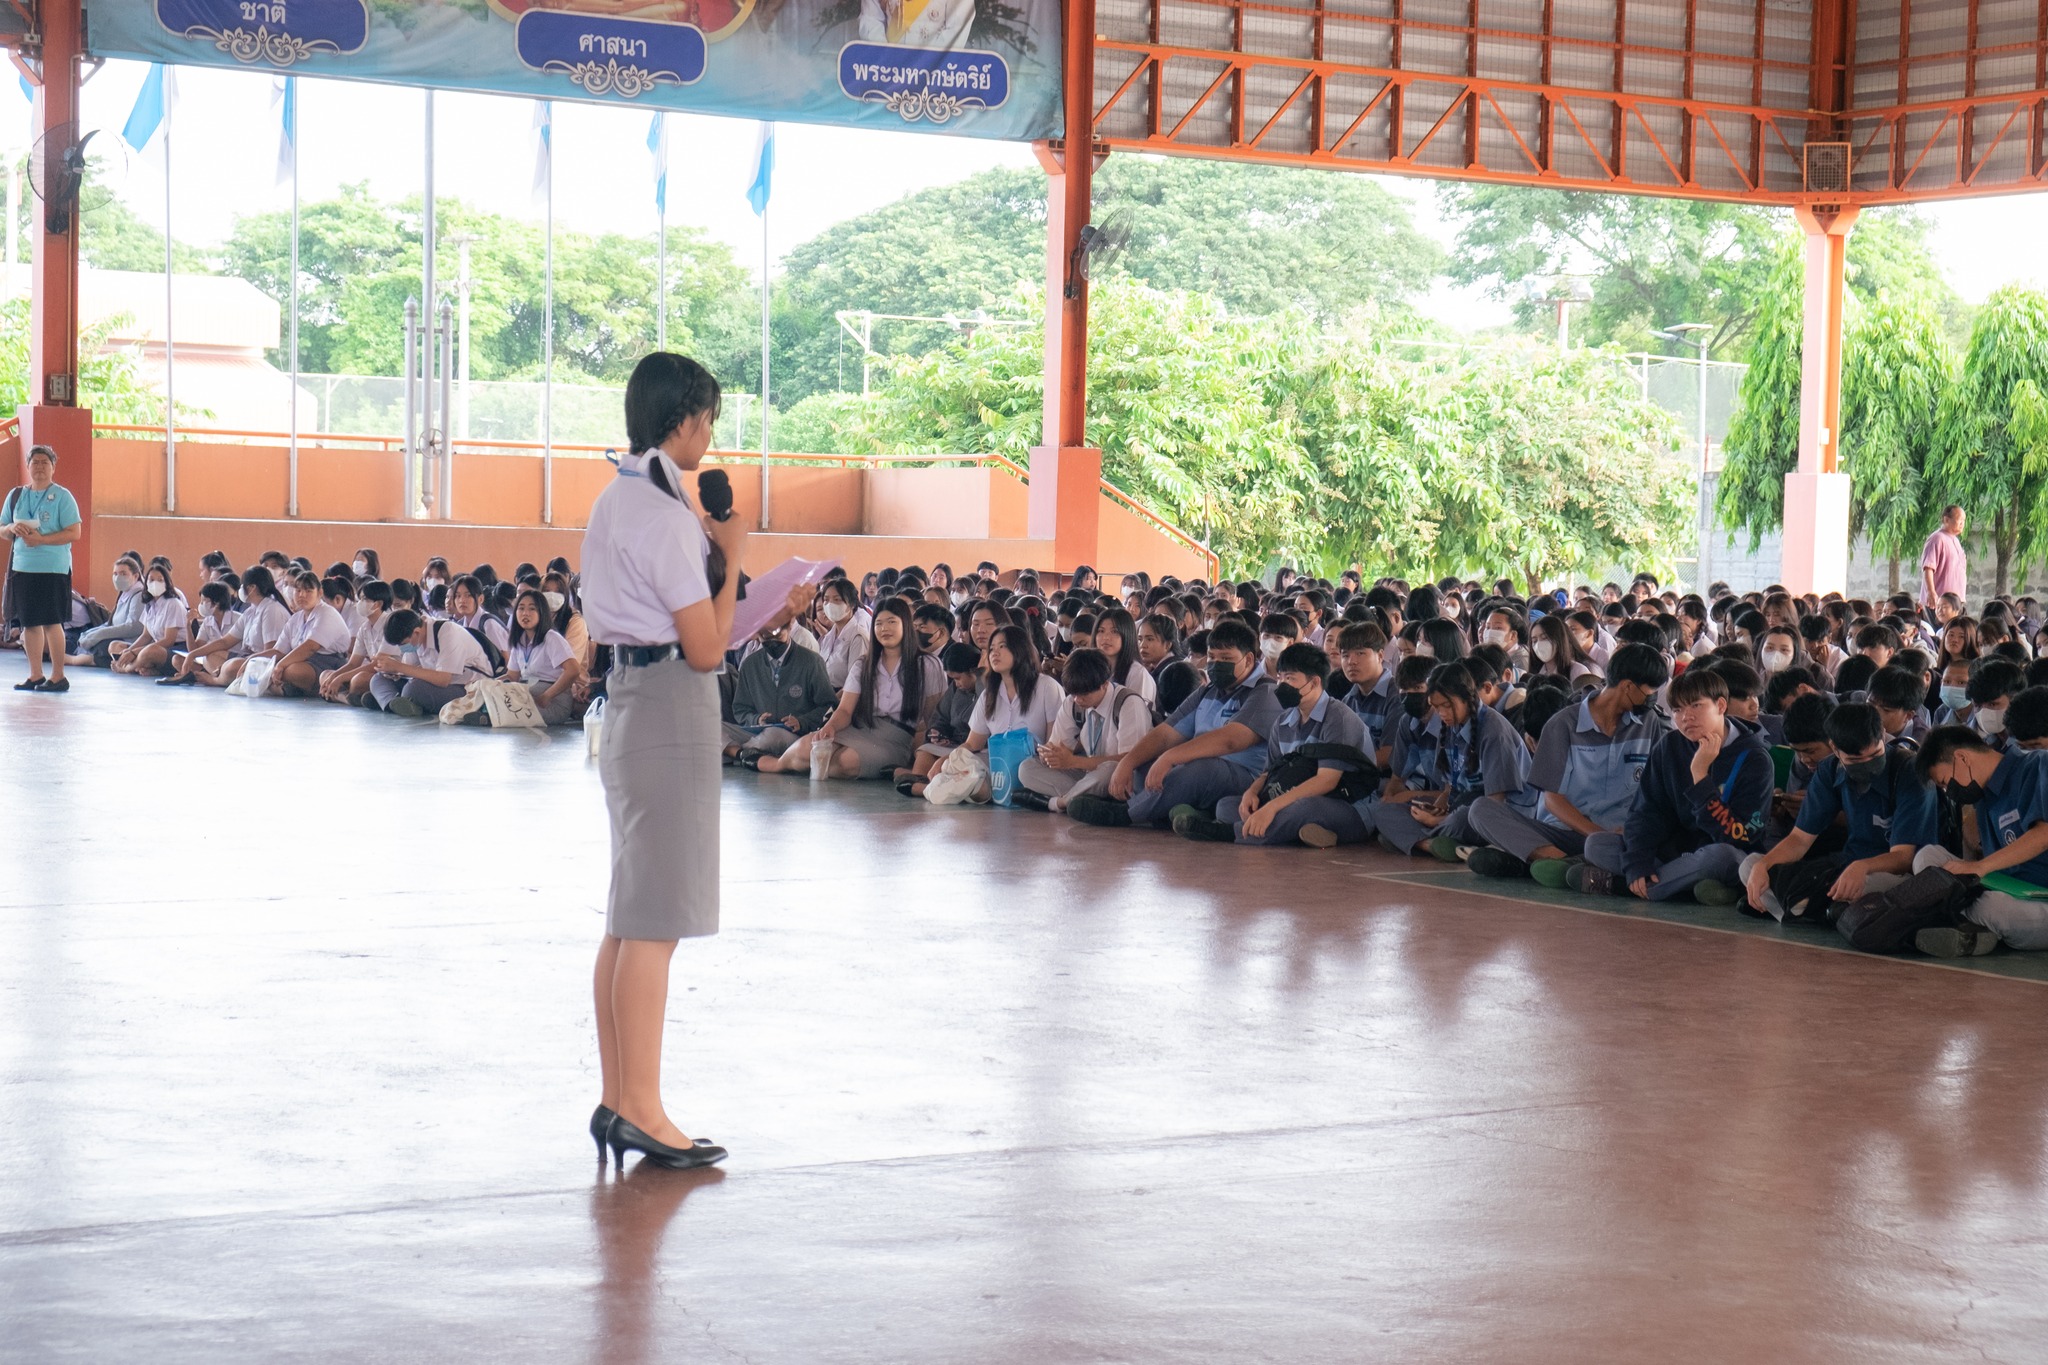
x=1723, y=919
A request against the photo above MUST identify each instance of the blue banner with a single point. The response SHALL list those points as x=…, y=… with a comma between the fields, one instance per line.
x=984, y=68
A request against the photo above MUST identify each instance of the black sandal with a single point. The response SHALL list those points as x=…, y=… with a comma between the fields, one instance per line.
x=750, y=759
x=904, y=785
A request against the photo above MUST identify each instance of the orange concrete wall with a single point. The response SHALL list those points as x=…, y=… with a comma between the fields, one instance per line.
x=926, y=502
x=1128, y=543
x=1009, y=505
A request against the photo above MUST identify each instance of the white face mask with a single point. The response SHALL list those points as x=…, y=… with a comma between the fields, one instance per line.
x=1991, y=722
x=554, y=600
x=156, y=587
x=959, y=598
x=432, y=583
x=1497, y=636
x=362, y=566
x=1067, y=634
x=837, y=611
x=1546, y=650
x=1425, y=651
x=1776, y=659
x=1270, y=647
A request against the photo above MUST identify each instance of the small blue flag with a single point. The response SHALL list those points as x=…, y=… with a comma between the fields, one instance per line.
x=764, y=170
x=657, y=144
x=147, y=116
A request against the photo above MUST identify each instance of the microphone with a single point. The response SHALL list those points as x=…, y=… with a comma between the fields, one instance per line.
x=714, y=492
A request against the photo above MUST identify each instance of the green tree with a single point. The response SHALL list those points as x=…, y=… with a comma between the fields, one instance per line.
x=1762, y=445
x=1898, y=368
x=1994, y=438
x=108, y=380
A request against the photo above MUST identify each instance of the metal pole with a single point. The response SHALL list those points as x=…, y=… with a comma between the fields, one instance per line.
x=447, y=350
x=292, y=130
x=660, y=277
x=13, y=211
x=1700, y=549
x=462, y=293
x=412, y=407
x=170, y=363
x=547, y=364
x=764, y=367
x=432, y=452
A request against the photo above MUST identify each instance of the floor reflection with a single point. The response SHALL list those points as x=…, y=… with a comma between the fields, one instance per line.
x=631, y=1215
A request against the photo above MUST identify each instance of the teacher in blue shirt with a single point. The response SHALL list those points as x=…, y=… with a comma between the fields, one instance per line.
x=40, y=521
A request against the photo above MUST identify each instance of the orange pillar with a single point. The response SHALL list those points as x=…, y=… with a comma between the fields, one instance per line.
x=56, y=419
x=1066, y=473
x=1816, y=539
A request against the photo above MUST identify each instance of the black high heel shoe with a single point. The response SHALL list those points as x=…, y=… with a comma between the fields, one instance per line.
x=601, y=1119
x=626, y=1137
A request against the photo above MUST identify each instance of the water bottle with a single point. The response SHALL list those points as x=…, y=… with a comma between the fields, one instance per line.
x=593, y=724
x=821, y=759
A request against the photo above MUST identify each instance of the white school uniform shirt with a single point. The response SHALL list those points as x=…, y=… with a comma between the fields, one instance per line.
x=1139, y=680
x=260, y=626
x=493, y=629
x=321, y=624
x=1099, y=729
x=845, y=648
x=1036, y=715
x=453, y=650
x=889, y=687
x=541, y=663
x=643, y=560
x=370, y=638
x=164, y=618
x=211, y=629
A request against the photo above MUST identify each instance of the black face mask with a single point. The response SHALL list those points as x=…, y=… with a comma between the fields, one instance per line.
x=1287, y=694
x=1416, y=704
x=775, y=648
x=1222, y=674
x=1863, y=772
x=1966, y=793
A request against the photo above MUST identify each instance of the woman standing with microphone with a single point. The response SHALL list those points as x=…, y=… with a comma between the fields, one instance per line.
x=650, y=592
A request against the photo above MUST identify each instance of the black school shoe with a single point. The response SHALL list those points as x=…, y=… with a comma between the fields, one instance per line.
x=58, y=685
x=1106, y=811
x=1589, y=880
x=1488, y=861
x=1203, y=829
x=1023, y=798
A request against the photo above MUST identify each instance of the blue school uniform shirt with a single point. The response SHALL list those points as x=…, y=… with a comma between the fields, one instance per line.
x=1372, y=706
x=1897, y=808
x=1596, y=772
x=1329, y=722
x=1483, y=757
x=52, y=510
x=2015, y=800
x=1251, y=704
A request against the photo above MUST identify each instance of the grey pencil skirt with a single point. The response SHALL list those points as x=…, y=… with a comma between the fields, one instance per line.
x=659, y=760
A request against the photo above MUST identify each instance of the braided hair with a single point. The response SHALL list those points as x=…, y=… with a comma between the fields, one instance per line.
x=665, y=391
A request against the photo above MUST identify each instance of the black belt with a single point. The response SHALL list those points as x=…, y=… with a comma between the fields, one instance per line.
x=639, y=656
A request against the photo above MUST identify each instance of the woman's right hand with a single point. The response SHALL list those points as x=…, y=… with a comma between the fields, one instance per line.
x=730, y=536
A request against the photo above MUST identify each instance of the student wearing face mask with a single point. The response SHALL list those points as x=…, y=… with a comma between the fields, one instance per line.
x=1703, y=805
x=1884, y=809
x=1554, y=649
x=2009, y=794
x=163, y=624
x=1587, y=766
x=1316, y=748
x=1508, y=630
x=1779, y=650
x=844, y=644
x=366, y=565
x=1205, y=750
x=315, y=640
x=779, y=695
x=435, y=575
x=96, y=646
x=1993, y=683
x=348, y=684
x=215, y=622
x=1474, y=754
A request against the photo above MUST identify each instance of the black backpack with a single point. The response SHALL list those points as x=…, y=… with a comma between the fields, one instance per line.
x=1359, y=782
x=1886, y=921
x=494, y=655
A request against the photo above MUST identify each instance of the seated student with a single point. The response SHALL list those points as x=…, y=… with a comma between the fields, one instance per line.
x=1206, y=750
x=1853, y=678
x=436, y=663
x=1587, y=767
x=1703, y=804
x=1877, y=642
x=466, y=608
x=96, y=644
x=1745, y=699
x=1806, y=735
x=216, y=624
x=2010, y=795
x=350, y=683
x=1014, y=694
x=1277, y=631
x=1896, y=694
x=1474, y=754
x=257, y=632
x=1554, y=648
x=1361, y=654
x=315, y=639
x=934, y=627
x=1815, y=637
x=541, y=659
x=1405, y=739
x=2026, y=720
x=1508, y=629
x=1888, y=814
x=163, y=624
x=1159, y=652
x=882, y=709
x=1116, y=636
x=951, y=719
x=1786, y=686
x=1992, y=685
x=779, y=694
x=1294, y=800
x=1098, y=723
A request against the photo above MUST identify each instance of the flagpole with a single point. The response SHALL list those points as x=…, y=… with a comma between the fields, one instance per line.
x=170, y=364
x=661, y=278
x=547, y=384
x=291, y=132
x=764, y=366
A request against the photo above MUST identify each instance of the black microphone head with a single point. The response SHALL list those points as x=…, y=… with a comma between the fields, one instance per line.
x=714, y=493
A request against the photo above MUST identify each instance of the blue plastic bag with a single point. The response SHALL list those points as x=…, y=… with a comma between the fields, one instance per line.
x=1006, y=753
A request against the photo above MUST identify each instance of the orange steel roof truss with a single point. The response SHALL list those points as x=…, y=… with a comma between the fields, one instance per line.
x=1710, y=99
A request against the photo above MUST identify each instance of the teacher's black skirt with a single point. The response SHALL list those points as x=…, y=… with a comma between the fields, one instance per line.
x=39, y=599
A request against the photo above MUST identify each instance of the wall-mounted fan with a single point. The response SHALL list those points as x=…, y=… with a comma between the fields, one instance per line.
x=1100, y=245
x=71, y=177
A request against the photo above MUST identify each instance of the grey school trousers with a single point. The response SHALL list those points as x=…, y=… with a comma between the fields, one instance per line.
x=1508, y=829
x=2022, y=924
x=1717, y=862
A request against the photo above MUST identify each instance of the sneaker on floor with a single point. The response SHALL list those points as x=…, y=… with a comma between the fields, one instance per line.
x=1205, y=829
x=1443, y=848
x=1553, y=872
x=1589, y=880
x=1964, y=940
x=1184, y=808
x=1712, y=891
x=407, y=707
x=1488, y=861
x=1091, y=809
x=1318, y=836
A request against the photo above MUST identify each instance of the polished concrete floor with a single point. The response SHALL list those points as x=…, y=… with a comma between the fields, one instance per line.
x=295, y=1058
